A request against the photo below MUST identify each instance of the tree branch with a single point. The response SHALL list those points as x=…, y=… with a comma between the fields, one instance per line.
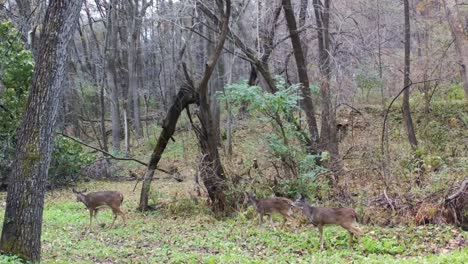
x=108, y=154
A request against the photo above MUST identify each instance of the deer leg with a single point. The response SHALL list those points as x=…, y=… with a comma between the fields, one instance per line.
x=260, y=220
x=124, y=217
x=113, y=221
x=350, y=245
x=320, y=228
x=284, y=221
x=91, y=213
x=357, y=232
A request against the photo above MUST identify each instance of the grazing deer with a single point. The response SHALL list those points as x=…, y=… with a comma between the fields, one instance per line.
x=97, y=200
x=320, y=216
x=272, y=205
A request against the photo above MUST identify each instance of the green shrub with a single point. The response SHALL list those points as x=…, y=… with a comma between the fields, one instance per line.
x=456, y=92
x=68, y=159
x=16, y=69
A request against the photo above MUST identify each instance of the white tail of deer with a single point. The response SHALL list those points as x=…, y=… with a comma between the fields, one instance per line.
x=97, y=200
x=272, y=205
x=320, y=216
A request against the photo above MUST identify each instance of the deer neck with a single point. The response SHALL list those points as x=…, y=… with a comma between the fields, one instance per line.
x=84, y=199
x=254, y=203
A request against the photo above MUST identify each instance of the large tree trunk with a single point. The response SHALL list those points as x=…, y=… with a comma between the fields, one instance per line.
x=307, y=103
x=111, y=74
x=21, y=233
x=406, y=82
x=457, y=13
x=213, y=173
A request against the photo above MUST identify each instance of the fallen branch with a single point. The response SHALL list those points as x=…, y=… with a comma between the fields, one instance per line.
x=108, y=154
x=460, y=190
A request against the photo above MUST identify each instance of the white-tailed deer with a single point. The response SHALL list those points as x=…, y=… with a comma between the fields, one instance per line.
x=97, y=200
x=320, y=216
x=272, y=205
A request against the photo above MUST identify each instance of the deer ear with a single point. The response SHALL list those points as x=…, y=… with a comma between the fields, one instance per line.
x=85, y=190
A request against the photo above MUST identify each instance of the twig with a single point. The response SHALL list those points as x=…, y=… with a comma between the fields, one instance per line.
x=390, y=105
x=388, y=200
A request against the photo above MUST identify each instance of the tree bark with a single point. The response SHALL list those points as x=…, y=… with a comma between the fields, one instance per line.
x=457, y=14
x=406, y=81
x=328, y=139
x=213, y=174
x=111, y=74
x=307, y=104
x=185, y=96
x=21, y=233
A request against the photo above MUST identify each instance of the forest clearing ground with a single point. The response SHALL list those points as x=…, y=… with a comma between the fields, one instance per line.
x=184, y=232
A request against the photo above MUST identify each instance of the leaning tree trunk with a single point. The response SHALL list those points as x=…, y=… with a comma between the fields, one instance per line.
x=184, y=98
x=307, y=103
x=406, y=82
x=457, y=14
x=21, y=233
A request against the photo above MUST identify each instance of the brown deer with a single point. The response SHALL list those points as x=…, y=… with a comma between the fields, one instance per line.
x=320, y=216
x=269, y=206
x=97, y=200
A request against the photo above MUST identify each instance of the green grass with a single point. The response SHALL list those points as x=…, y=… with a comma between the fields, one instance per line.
x=172, y=236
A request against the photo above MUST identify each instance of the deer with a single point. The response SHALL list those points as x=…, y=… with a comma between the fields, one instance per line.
x=269, y=206
x=97, y=200
x=320, y=216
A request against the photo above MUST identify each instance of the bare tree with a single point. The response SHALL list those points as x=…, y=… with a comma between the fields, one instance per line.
x=328, y=139
x=406, y=81
x=307, y=104
x=21, y=233
x=213, y=175
x=111, y=72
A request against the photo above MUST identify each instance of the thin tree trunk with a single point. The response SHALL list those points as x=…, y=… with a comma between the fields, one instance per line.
x=406, y=82
x=307, y=105
x=21, y=233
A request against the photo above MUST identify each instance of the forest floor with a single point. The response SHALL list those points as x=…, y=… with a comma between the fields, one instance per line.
x=186, y=232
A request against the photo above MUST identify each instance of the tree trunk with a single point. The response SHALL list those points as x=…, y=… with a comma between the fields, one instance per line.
x=457, y=13
x=307, y=104
x=406, y=82
x=328, y=139
x=21, y=233
x=111, y=74
x=213, y=173
x=185, y=96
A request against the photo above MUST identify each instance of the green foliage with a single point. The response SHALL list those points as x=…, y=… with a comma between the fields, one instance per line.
x=287, y=144
x=456, y=92
x=10, y=259
x=16, y=69
x=68, y=158
x=306, y=182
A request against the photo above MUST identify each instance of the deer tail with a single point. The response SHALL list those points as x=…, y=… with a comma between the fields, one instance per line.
x=121, y=198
